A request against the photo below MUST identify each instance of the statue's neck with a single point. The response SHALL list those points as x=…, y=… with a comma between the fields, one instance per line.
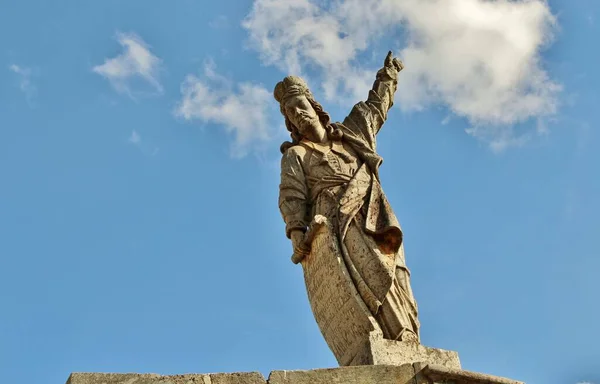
x=318, y=136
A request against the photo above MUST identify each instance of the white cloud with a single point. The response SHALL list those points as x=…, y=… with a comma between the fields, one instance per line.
x=479, y=58
x=25, y=83
x=241, y=109
x=297, y=35
x=135, y=63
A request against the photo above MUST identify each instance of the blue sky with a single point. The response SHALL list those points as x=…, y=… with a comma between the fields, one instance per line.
x=139, y=151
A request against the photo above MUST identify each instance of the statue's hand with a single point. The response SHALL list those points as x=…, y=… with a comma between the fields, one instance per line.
x=301, y=250
x=393, y=62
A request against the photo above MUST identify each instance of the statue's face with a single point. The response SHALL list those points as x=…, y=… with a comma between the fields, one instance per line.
x=304, y=117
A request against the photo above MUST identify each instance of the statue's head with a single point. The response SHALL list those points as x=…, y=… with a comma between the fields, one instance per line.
x=304, y=116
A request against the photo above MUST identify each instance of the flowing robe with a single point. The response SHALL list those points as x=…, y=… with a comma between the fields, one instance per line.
x=340, y=181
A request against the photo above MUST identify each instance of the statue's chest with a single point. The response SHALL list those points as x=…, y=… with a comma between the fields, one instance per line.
x=342, y=162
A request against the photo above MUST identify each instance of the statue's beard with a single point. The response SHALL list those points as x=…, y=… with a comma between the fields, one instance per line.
x=309, y=123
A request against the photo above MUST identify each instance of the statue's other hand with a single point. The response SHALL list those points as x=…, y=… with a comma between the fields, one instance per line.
x=393, y=62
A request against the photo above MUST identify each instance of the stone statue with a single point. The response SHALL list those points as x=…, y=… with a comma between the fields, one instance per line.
x=341, y=225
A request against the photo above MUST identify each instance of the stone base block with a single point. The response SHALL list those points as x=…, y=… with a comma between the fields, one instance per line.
x=417, y=373
x=380, y=351
x=347, y=375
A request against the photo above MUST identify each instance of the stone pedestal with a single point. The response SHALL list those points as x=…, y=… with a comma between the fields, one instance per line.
x=380, y=351
x=417, y=373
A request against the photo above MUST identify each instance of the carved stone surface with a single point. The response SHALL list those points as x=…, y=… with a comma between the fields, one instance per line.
x=341, y=315
x=151, y=378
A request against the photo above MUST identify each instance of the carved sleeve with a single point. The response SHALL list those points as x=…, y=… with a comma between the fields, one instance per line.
x=381, y=96
x=293, y=192
x=367, y=117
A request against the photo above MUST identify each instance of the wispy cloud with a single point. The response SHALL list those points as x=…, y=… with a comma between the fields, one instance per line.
x=242, y=109
x=135, y=138
x=479, y=58
x=147, y=148
x=134, y=67
x=25, y=84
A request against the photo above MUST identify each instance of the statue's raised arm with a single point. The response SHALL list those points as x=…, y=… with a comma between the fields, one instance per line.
x=367, y=118
x=381, y=96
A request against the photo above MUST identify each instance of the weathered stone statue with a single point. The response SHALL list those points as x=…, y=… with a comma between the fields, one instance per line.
x=341, y=225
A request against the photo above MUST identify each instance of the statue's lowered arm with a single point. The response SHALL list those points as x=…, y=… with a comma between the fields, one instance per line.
x=293, y=201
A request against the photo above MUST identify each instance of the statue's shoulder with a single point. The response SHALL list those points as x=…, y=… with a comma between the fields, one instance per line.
x=293, y=156
x=296, y=151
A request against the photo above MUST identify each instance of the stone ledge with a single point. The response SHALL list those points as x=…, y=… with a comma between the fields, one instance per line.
x=440, y=374
x=373, y=374
x=151, y=378
x=417, y=373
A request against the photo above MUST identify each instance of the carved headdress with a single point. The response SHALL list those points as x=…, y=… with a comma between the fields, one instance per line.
x=288, y=87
